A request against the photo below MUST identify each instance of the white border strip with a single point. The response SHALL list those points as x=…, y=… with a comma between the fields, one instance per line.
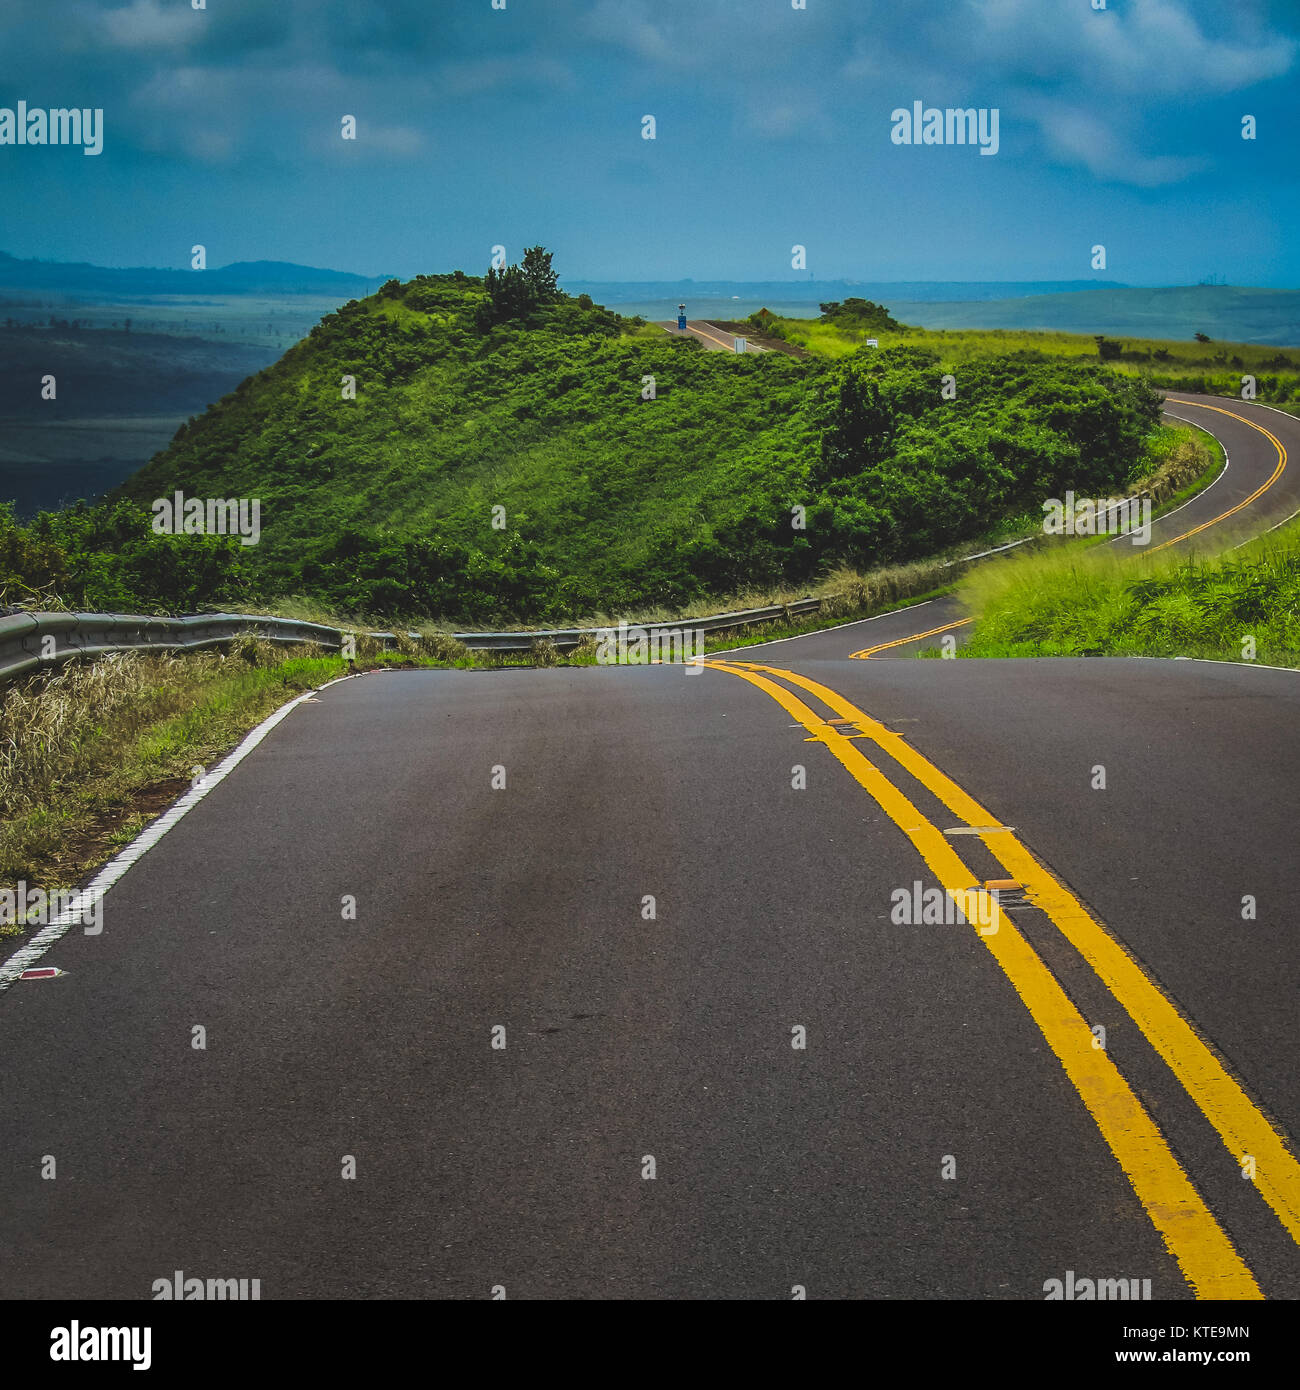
x=1270, y=530
x=1216, y=661
x=1196, y=496
x=723, y=652
x=93, y=893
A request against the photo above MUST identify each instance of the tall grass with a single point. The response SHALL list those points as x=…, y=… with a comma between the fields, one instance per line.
x=1105, y=602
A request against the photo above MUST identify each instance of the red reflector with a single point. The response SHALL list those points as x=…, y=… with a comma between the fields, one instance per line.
x=45, y=973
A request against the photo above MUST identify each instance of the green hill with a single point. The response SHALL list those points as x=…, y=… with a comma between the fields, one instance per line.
x=605, y=499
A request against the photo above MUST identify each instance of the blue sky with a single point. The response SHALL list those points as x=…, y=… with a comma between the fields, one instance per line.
x=478, y=126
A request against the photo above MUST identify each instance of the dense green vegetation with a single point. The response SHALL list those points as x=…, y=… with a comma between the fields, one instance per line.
x=108, y=558
x=491, y=450
x=1199, y=364
x=855, y=319
x=1244, y=605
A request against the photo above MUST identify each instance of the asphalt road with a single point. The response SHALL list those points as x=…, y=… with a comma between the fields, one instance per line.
x=714, y=339
x=949, y=1130
x=1257, y=490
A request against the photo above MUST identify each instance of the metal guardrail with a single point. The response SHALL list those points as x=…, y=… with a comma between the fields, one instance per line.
x=31, y=641
x=566, y=638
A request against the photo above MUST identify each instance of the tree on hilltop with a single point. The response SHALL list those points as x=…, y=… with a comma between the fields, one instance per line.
x=515, y=291
x=542, y=281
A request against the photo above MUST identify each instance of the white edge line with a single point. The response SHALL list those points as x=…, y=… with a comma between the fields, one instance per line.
x=1260, y=405
x=1196, y=497
x=1246, y=542
x=1215, y=661
x=997, y=549
x=838, y=627
x=93, y=893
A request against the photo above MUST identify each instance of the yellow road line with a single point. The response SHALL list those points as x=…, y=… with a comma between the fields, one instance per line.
x=730, y=346
x=1241, y=1125
x=1259, y=491
x=903, y=641
x=1196, y=530
x=1193, y=1237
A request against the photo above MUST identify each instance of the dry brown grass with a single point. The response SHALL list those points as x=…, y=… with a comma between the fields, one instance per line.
x=1185, y=461
x=853, y=593
x=48, y=727
x=80, y=745
x=442, y=646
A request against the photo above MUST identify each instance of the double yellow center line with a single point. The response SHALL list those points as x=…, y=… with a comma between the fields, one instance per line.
x=1190, y=1231
x=715, y=338
x=1278, y=470
x=1259, y=491
x=903, y=641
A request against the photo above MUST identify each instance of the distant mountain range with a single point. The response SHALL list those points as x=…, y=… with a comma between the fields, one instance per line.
x=284, y=277
x=1229, y=312
x=81, y=280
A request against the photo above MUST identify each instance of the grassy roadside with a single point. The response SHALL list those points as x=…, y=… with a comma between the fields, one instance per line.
x=1172, y=482
x=1243, y=605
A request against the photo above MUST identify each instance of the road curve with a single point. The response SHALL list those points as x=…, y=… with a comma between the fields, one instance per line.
x=1257, y=491
x=591, y=983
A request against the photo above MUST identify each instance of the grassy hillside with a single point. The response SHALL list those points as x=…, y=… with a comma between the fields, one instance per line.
x=1212, y=367
x=506, y=459
x=544, y=419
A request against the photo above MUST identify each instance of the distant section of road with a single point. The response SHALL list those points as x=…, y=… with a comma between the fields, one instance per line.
x=1260, y=486
x=1257, y=490
x=714, y=338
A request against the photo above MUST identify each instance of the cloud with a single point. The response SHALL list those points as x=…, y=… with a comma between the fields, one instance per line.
x=1087, y=80
x=627, y=24
x=1083, y=137
x=145, y=24
x=514, y=73
x=1090, y=79
x=1155, y=48
x=401, y=141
